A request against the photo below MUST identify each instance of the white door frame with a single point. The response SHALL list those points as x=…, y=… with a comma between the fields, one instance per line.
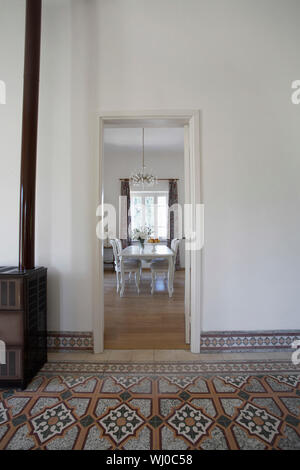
x=192, y=118
x=187, y=260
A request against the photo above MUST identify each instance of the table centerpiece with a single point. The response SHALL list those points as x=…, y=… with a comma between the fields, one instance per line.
x=141, y=234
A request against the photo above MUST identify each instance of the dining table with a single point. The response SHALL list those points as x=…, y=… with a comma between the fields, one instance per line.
x=148, y=252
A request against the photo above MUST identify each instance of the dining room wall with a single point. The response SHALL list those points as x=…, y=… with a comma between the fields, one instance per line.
x=164, y=155
x=235, y=62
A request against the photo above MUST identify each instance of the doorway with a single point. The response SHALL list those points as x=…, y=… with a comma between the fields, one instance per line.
x=185, y=308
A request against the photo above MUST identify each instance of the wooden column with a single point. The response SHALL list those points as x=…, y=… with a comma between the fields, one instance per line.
x=29, y=133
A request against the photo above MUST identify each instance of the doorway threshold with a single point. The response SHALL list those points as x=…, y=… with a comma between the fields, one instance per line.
x=159, y=355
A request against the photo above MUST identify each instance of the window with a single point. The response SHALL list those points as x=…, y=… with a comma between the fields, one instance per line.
x=150, y=208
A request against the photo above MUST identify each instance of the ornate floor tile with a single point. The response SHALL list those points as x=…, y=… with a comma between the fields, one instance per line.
x=190, y=423
x=127, y=382
x=237, y=381
x=173, y=406
x=181, y=381
x=120, y=423
x=71, y=381
x=292, y=380
x=259, y=422
x=52, y=422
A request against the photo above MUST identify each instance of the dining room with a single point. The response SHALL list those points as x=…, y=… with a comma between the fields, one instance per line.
x=144, y=260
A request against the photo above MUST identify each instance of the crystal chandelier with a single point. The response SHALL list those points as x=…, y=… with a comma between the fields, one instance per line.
x=142, y=177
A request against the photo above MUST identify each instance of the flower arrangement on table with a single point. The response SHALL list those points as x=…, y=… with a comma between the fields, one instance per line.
x=141, y=234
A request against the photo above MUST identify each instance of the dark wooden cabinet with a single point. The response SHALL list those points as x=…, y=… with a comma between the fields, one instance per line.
x=23, y=324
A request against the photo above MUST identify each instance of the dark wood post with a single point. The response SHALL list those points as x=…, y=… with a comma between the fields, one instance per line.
x=29, y=133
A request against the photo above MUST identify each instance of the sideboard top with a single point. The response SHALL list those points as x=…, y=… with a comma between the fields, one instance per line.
x=15, y=271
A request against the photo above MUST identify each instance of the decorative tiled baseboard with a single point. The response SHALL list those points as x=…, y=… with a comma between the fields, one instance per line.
x=70, y=341
x=248, y=340
x=210, y=341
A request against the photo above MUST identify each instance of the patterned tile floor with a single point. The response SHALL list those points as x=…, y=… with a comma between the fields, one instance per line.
x=172, y=406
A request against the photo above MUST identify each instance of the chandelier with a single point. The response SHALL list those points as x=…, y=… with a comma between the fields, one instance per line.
x=142, y=177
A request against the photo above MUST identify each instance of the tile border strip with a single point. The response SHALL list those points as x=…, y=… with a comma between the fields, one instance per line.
x=223, y=341
x=70, y=341
x=248, y=340
x=165, y=368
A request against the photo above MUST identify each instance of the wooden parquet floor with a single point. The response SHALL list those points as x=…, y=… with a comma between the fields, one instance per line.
x=144, y=321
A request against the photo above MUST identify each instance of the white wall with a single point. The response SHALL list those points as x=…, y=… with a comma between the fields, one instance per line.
x=164, y=155
x=235, y=61
x=11, y=72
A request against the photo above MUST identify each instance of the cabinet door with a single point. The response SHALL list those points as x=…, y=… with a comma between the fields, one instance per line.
x=11, y=294
x=11, y=328
x=12, y=369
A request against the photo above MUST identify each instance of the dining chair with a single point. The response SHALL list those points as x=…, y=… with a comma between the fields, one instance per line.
x=162, y=265
x=119, y=245
x=120, y=248
x=130, y=266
